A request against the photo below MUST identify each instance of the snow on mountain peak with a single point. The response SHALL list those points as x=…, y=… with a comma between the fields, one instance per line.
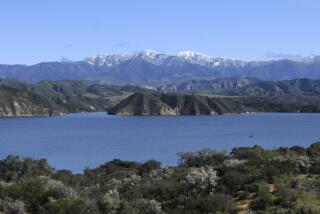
x=200, y=56
x=203, y=59
x=150, y=52
x=107, y=60
x=192, y=54
x=310, y=59
x=161, y=59
x=146, y=53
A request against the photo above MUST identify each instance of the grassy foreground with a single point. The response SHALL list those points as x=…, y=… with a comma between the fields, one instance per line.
x=248, y=180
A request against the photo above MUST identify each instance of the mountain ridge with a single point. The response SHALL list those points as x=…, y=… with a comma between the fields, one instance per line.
x=155, y=104
x=153, y=69
x=58, y=97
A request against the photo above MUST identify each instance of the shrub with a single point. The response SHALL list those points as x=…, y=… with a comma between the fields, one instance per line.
x=213, y=203
x=233, y=163
x=206, y=157
x=11, y=206
x=303, y=164
x=219, y=203
x=299, y=150
x=248, y=153
x=58, y=189
x=149, y=166
x=234, y=180
x=264, y=198
x=111, y=201
x=14, y=167
x=148, y=206
x=285, y=196
x=203, y=178
x=69, y=206
x=314, y=150
x=32, y=192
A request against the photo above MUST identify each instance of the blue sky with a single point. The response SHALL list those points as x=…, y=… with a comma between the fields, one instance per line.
x=46, y=30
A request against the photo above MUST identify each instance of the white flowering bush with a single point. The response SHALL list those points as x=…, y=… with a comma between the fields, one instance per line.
x=112, y=200
x=203, y=178
x=132, y=180
x=161, y=174
x=9, y=205
x=59, y=188
x=148, y=206
x=114, y=183
x=303, y=163
x=233, y=163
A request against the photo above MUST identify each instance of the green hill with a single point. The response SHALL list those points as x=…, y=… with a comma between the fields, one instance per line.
x=58, y=97
x=66, y=96
x=77, y=96
x=174, y=104
x=304, y=91
x=18, y=102
x=215, y=86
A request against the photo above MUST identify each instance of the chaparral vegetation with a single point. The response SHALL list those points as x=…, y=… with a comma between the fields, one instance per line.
x=248, y=180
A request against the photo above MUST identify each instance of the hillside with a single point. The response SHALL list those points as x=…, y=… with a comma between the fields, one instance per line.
x=216, y=86
x=57, y=97
x=249, y=95
x=174, y=104
x=282, y=180
x=295, y=91
x=76, y=96
x=17, y=102
x=303, y=91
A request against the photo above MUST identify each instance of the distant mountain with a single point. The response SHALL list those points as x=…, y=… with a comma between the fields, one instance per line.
x=216, y=86
x=295, y=91
x=153, y=69
x=175, y=104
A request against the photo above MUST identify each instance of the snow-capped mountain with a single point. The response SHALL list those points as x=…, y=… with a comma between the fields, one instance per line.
x=116, y=59
x=161, y=59
x=151, y=56
x=153, y=68
x=202, y=59
x=107, y=60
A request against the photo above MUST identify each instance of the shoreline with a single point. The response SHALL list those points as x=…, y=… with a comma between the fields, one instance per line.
x=148, y=115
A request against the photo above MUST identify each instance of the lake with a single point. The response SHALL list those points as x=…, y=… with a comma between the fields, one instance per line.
x=90, y=139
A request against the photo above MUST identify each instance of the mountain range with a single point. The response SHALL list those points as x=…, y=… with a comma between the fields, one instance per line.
x=150, y=68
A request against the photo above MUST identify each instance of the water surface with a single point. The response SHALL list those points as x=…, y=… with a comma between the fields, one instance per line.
x=79, y=140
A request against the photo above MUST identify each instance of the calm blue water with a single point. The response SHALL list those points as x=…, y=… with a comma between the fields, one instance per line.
x=79, y=140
